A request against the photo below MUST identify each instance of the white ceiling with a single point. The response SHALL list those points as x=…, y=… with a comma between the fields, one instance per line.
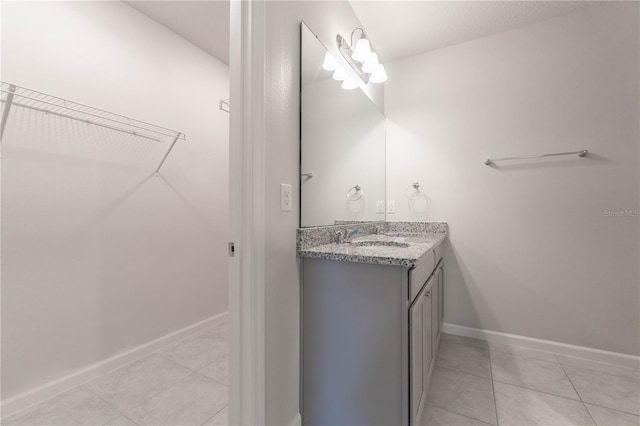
x=398, y=29
x=203, y=23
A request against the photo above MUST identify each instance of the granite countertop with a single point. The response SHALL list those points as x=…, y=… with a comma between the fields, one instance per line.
x=398, y=248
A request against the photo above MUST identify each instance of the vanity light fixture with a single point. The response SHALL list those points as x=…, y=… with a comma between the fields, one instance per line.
x=339, y=73
x=362, y=48
x=330, y=63
x=349, y=83
x=362, y=59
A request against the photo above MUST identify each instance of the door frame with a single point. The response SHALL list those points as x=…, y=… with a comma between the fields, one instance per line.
x=247, y=214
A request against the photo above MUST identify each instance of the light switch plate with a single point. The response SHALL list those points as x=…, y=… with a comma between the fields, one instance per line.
x=380, y=206
x=286, y=197
x=391, y=206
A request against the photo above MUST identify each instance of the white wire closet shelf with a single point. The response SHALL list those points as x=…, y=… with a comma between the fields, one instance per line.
x=12, y=95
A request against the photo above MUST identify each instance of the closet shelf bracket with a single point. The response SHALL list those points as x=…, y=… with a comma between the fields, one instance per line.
x=8, y=101
x=168, y=152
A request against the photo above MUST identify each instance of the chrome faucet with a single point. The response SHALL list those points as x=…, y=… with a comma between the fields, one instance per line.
x=350, y=234
x=342, y=237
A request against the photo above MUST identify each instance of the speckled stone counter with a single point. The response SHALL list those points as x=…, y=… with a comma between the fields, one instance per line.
x=401, y=243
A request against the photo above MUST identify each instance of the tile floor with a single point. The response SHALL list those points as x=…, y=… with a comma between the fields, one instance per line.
x=476, y=383
x=183, y=384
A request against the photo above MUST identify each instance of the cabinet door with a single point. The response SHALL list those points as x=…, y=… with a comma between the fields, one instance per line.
x=416, y=352
x=435, y=311
x=427, y=325
x=441, y=300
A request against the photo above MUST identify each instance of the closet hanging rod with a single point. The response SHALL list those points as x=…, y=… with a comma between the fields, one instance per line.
x=580, y=153
x=13, y=95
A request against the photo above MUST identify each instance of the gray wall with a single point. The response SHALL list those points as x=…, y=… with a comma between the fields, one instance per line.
x=96, y=259
x=282, y=87
x=532, y=250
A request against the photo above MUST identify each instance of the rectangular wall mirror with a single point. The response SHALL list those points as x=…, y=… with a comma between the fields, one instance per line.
x=342, y=144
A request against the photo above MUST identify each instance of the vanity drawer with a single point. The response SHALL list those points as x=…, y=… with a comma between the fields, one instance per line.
x=419, y=275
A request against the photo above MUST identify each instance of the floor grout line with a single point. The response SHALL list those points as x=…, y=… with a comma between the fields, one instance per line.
x=493, y=389
x=210, y=378
x=464, y=344
x=589, y=412
x=611, y=409
x=577, y=393
x=626, y=376
x=537, y=390
x=110, y=405
x=215, y=414
x=464, y=372
x=572, y=385
x=207, y=364
x=460, y=414
x=526, y=357
x=512, y=384
x=555, y=361
x=468, y=374
x=580, y=396
x=166, y=386
x=448, y=410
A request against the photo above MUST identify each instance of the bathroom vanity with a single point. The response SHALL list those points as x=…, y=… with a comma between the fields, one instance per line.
x=372, y=311
x=372, y=290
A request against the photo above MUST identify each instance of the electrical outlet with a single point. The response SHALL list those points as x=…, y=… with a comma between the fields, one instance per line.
x=286, y=197
x=380, y=206
x=391, y=206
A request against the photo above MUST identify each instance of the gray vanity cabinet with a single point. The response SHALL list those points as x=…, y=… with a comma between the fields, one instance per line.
x=429, y=330
x=421, y=348
x=369, y=340
x=418, y=351
x=435, y=309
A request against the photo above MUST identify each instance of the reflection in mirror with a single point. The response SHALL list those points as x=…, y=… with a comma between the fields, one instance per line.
x=342, y=170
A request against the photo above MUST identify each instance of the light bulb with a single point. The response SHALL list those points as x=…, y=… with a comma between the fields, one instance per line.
x=339, y=74
x=372, y=59
x=330, y=63
x=379, y=75
x=371, y=63
x=371, y=68
x=362, y=50
x=349, y=83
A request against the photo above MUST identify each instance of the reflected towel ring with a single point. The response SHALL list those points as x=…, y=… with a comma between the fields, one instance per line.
x=417, y=188
x=355, y=193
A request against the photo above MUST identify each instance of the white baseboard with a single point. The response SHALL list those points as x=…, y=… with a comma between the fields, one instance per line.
x=599, y=355
x=297, y=420
x=41, y=393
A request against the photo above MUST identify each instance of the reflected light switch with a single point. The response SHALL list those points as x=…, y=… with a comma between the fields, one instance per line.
x=380, y=206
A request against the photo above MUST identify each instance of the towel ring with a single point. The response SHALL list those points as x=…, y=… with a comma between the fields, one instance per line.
x=417, y=188
x=353, y=192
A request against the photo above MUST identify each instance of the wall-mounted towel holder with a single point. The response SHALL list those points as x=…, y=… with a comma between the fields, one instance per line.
x=580, y=153
x=355, y=193
x=417, y=189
